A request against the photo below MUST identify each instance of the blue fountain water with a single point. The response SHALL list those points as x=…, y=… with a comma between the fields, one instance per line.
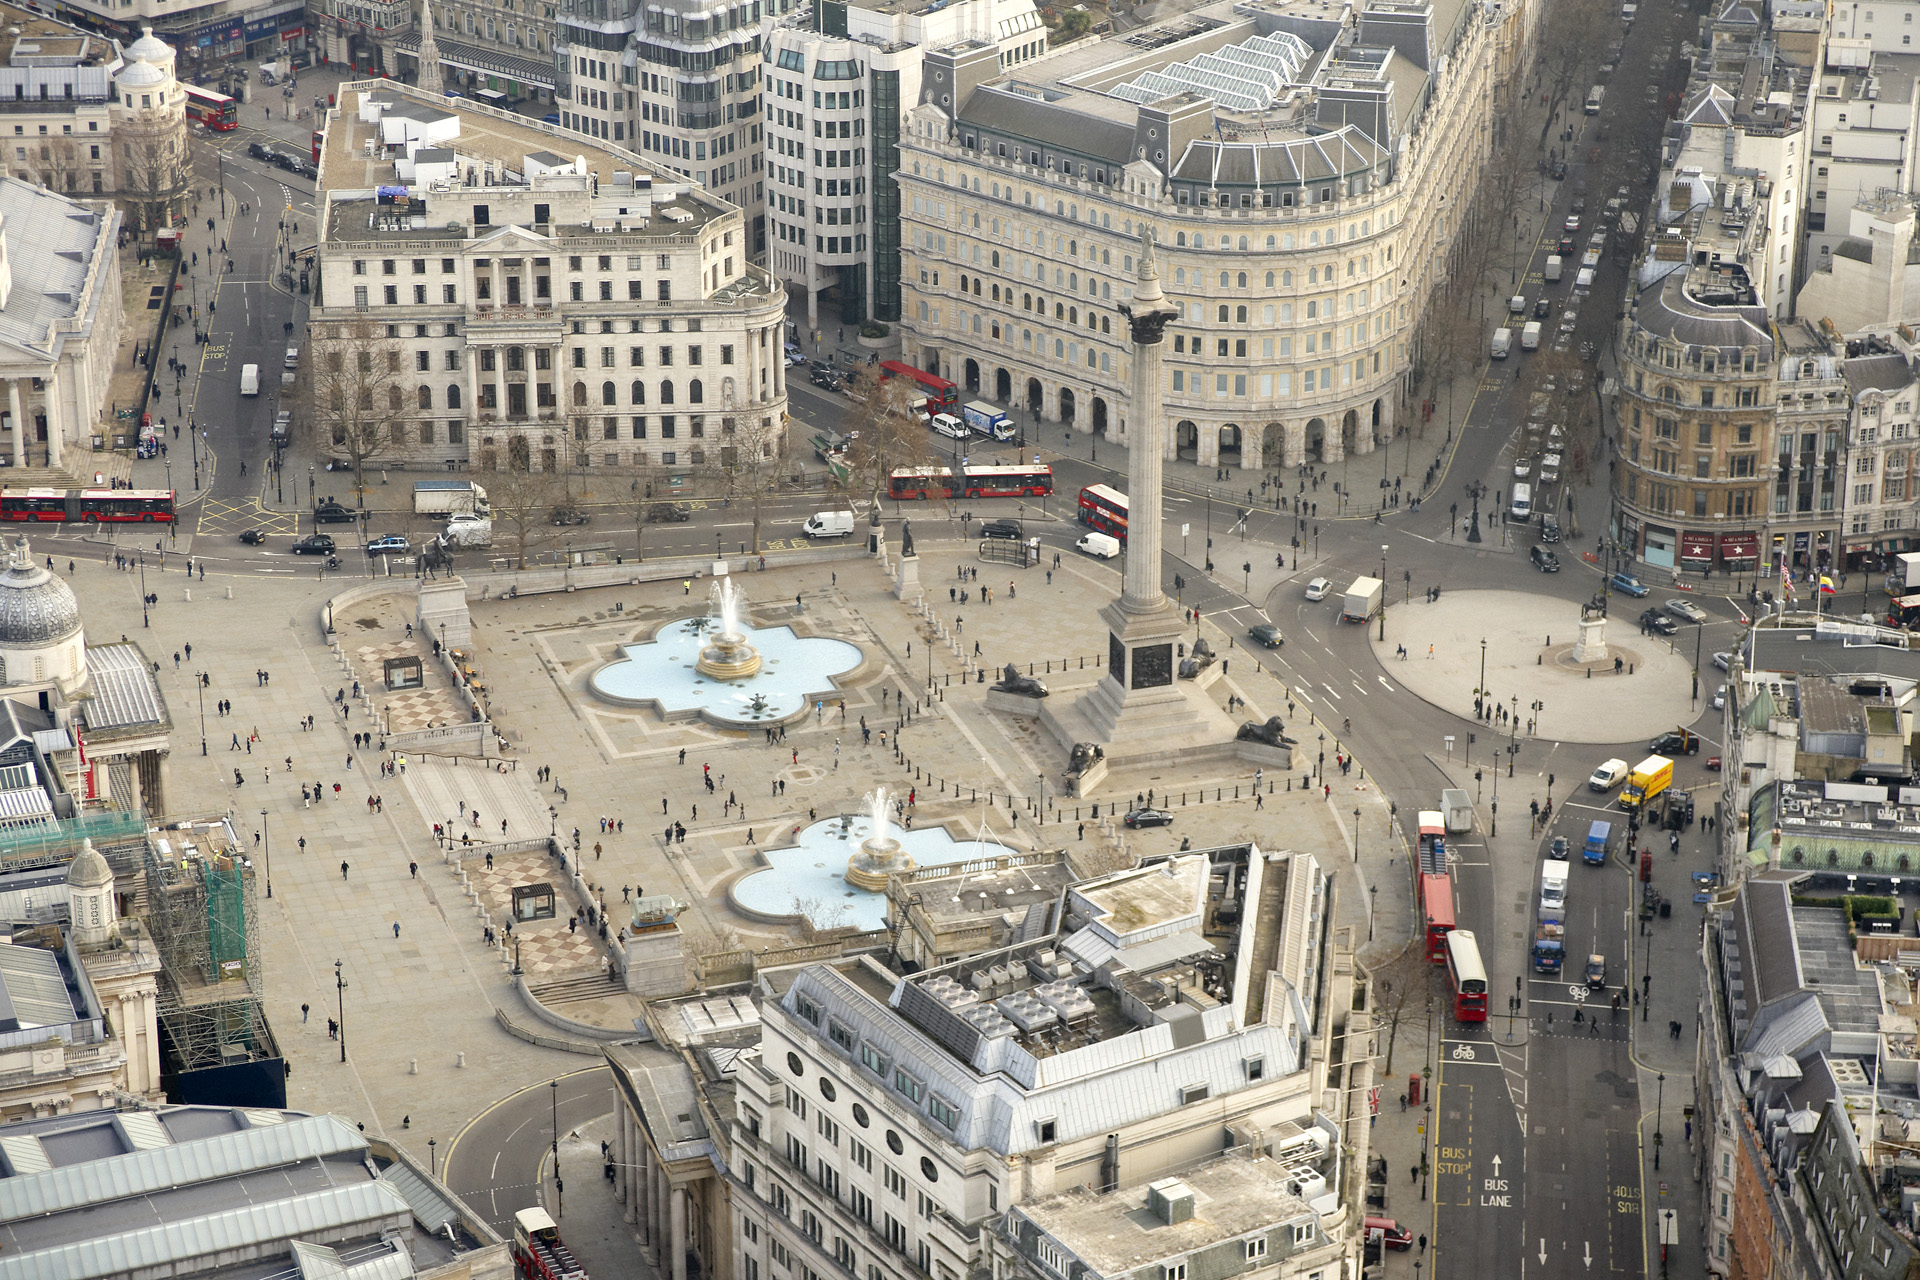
x=812, y=870
x=661, y=671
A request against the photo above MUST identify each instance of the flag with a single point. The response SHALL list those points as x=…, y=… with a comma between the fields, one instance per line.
x=1826, y=585
x=1786, y=581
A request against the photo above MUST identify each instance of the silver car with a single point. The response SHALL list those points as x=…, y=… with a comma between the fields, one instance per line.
x=1685, y=609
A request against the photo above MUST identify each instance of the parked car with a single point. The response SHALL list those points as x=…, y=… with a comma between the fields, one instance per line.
x=666, y=513
x=1627, y=584
x=1268, y=635
x=1000, y=529
x=1148, y=818
x=566, y=515
x=1317, y=588
x=1686, y=609
x=1658, y=623
x=1392, y=1234
x=390, y=545
x=334, y=513
x=314, y=544
x=1544, y=560
x=254, y=537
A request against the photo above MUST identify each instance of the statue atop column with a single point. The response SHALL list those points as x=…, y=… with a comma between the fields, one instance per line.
x=1147, y=321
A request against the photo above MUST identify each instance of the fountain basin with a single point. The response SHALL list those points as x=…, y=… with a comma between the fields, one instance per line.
x=874, y=861
x=808, y=877
x=664, y=673
x=729, y=657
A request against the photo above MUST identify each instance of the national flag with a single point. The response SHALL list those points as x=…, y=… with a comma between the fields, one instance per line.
x=1826, y=585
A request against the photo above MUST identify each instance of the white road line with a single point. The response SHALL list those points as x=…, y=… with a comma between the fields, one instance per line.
x=1302, y=694
x=1362, y=688
x=1329, y=688
x=1384, y=685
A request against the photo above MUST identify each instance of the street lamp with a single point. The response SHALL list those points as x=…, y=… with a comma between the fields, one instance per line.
x=1356, y=834
x=1659, y=1109
x=1319, y=769
x=340, y=994
x=433, y=1157
x=200, y=678
x=266, y=838
x=1474, y=490
x=145, y=621
x=1372, y=890
x=1383, y=593
x=559, y=1192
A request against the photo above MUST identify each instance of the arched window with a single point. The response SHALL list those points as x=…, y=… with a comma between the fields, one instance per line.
x=1286, y=279
x=1269, y=279
x=453, y=396
x=1224, y=278
x=696, y=394
x=637, y=392
x=607, y=394
x=579, y=394
x=1240, y=281
x=426, y=397
x=1223, y=313
x=666, y=392
x=1240, y=314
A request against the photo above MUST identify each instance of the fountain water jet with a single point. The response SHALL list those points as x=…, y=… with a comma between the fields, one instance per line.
x=729, y=656
x=879, y=855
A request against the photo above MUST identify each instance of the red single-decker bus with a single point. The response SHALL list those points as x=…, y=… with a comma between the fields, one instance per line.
x=1436, y=884
x=214, y=110
x=85, y=506
x=1468, y=976
x=1104, y=507
x=942, y=396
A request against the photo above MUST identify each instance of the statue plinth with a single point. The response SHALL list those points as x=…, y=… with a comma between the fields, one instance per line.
x=876, y=860
x=1592, y=645
x=729, y=657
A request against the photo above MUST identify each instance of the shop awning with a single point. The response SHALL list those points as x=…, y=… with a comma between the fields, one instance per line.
x=1739, y=546
x=1696, y=547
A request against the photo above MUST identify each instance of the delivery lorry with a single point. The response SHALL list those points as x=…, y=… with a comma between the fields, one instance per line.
x=828, y=524
x=1594, y=852
x=1530, y=336
x=1502, y=343
x=1553, y=889
x=1549, y=945
x=1903, y=573
x=1649, y=778
x=1363, y=600
x=1457, y=808
x=985, y=420
x=445, y=497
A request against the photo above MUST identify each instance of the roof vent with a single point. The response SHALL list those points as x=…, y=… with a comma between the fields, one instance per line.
x=1170, y=1200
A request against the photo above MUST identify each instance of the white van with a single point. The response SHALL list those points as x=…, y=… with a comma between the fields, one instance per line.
x=249, y=379
x=1502, y=343
x=1583, y=282
x=1609, y=775
x=946, y=424
x=1553, y=268
x=1530, y=336
x=1521, y=506
x=1103, y=545
x=828, y=524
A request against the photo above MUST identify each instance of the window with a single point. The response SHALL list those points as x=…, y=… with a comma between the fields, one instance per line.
x=1256, y=1249
x=908, y=1086
x=1174, y=1271
x=943, y=1111
x=1302, y=1234
x=873, y=1060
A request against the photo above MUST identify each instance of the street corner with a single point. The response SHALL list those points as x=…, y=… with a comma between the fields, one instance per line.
x=1513, y=659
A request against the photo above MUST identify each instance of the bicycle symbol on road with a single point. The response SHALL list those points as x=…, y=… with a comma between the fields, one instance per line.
x=1464, y=1053
x=1579, y=994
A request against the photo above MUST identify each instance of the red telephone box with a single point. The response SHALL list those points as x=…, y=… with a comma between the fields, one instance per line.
x=1646, y=866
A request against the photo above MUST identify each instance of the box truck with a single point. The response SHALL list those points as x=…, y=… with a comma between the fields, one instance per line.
x=1903, y=573
x=828, y=524
x=445, y=497
x=985, y=420
x=1363, y=600
x=1458, y=809
x=1530, y=336
x=1502, y=343
x=1553, y=888
x=1649, y=778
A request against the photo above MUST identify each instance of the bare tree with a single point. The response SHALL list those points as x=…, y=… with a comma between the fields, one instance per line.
x=522, y=502
x=60, y=167
x=1400, y=982
x=1571, y=33
x=359, y=397
x=886, y=432
x=750, y=454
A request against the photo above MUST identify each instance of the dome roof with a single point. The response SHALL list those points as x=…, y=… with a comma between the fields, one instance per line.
x=89, y=870
x=150, y=48
x=140, y=75
x=36, y=608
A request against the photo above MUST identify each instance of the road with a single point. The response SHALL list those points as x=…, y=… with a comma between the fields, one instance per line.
x=494, y=1163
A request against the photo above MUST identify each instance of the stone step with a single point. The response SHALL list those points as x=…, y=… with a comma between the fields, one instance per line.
x=567, y=990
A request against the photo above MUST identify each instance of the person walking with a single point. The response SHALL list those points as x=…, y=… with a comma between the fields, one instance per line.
x=343, y=870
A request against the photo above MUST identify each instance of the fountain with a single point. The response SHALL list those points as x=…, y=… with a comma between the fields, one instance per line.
x=729, y=657
x=879, y=855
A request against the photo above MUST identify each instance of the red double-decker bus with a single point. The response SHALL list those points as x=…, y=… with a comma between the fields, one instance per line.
x=974, y=482
x=942, y=396
x=1436, y=884
x=214, y=110
x=1468, y=976
x=1104, y=507
x=85, y=506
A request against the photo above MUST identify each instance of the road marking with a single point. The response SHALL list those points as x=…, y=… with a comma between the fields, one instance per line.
x=1384, y=685
x=1362, y=688
x=1329, y=688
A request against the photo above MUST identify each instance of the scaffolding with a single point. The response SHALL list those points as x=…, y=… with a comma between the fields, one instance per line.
x=201, y=902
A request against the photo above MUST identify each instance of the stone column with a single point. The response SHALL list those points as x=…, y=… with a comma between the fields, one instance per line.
x=1146, y=429
x=1293, y=444
x=622, y=1163
x=678, y=1239
x=471, y=367
x=19, y=422
x=649, y=1201
x=500, y=380
x=55, y=418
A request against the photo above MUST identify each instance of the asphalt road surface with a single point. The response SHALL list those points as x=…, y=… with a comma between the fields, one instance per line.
x=494, y=1163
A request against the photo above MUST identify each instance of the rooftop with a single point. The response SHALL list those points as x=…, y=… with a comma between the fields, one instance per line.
x=54, y=245
x=1233, y=1195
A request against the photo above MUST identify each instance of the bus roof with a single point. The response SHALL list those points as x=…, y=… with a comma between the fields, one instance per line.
x=1108, y=492
x=1432, y=820
x=1017, y=469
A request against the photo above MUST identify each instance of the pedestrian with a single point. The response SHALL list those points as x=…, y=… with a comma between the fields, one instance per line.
x=396, y=929
x=413, y=870
x=303, y=1011
x=343, y=870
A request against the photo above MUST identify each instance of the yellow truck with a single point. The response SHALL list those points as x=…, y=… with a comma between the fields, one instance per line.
x=1649, y=778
